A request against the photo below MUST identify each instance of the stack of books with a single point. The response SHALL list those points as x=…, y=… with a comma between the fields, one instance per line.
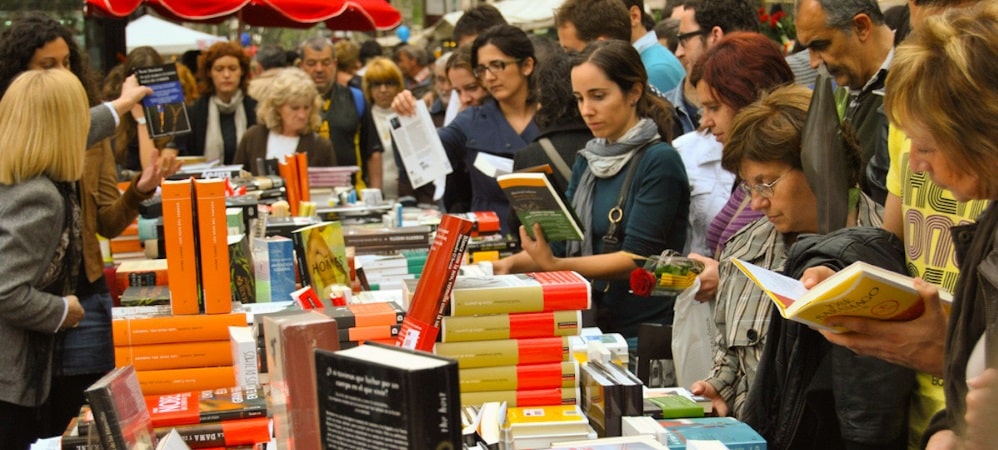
x=175, y=353
x=390, y=271
x=360, y=322
x=341, y=176
x=372, y=240
x=509, y=334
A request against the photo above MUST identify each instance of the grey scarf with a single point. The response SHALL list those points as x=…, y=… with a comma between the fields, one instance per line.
x=604, y=161
x=214, y=147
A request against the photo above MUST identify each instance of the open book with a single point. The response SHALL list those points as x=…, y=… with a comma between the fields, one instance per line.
x=535, y=200
x=860, y=289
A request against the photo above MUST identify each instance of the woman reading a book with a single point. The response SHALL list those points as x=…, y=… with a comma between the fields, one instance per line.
x=289, y=115
x=39, y=238
x=764, y=149
x=86, y=352
x=631, y=128
x=503, y=61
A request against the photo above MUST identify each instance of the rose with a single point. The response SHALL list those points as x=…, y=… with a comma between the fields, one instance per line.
x=642, y=282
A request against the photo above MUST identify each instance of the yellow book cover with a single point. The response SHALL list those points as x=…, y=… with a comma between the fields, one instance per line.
x=322, y=257
x=860, y=290
x=544, y=415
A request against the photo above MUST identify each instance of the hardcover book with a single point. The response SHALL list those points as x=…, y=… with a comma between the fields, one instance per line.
x=172, y=329
x=366, y=314
x=243, y=281
x=213, y=245
x=377, y=396
x=322, y=257
x=165, y=110
x=516, y=293
x=860, y=289
x=181, y=251
x=525, y=397
x=524, y=377
x=274, y=268
x=429, y=303
x=212, y=405
x=168, y=381
x=535, y=200
x=505, y=352
x=123, y=422
x=510, y=326
x=174, y=355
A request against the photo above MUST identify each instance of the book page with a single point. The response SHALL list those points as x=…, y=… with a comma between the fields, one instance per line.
x=419, y=146
x=781, y=288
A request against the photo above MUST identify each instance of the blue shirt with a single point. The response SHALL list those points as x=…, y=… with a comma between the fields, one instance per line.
x=664, y=69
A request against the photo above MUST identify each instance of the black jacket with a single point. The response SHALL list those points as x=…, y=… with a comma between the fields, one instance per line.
x=192, y=144
x=810, y=394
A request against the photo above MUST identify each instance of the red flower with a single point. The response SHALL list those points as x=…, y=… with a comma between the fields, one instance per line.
x=642, y=282
x=776, y=18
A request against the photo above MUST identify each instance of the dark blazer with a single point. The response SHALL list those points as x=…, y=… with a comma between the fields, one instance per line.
x=192, y=144
x=33, y=211
x=254, y=145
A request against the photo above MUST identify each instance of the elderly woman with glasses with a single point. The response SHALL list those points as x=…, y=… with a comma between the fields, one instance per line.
x=503, y=61
x=764, y=149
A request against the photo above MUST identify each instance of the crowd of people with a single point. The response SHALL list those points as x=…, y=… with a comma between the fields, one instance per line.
x=689, y=136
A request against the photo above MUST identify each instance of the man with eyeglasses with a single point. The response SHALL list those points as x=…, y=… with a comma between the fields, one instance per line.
x=342, y=110
x=701, y=24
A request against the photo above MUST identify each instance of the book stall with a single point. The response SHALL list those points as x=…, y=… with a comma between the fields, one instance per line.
x=285, y=312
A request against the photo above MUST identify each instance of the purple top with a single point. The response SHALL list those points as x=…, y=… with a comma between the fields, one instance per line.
x=733, y=217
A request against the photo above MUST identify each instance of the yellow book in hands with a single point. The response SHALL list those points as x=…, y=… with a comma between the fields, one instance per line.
x=860, y=289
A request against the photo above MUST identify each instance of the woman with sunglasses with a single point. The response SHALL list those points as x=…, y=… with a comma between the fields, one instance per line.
x=503, y=61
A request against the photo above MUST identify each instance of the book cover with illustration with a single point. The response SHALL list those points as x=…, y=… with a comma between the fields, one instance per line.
x=322, y=257
x=535, y=200
x=166, y=112
x=123, y=422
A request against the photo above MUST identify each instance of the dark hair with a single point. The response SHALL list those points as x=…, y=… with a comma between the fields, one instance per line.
x=545, y=48
x=216, y=51
x=741, y=67
x=27, y=34
x=621, y=63
x=558, y=105
x=898, y=18
x=728, y=15
x=476, y=20
x=370, y=49
x=190, y=59
x=126, y=132
x=460, y=58
x=271, y=56
x=646, y=20
x=839, y=13
x=595, y=18
x=513, y=42
x=668, y=29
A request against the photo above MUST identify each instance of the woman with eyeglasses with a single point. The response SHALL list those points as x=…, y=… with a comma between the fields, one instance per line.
x=224, y=112
x=289, y=114
x=503, y=61
x=764, y=149
x=632, y=128
x=382, y=81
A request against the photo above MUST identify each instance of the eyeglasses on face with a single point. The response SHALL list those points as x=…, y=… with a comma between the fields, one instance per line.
x=765, y=190
x=494, y=67
x=315, y=62
x=383, y=84
x=683, y=37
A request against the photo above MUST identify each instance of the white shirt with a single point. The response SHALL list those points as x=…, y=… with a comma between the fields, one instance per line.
x=279, y=145
x=710, y=185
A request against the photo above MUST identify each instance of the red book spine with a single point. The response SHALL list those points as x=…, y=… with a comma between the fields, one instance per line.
x=430, y=302
x=531, y=325
x=540, y=376
x=542, y=350
x=563, y=290
x=544, y=397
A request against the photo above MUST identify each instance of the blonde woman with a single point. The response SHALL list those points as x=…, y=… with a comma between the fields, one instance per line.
x=382, y=82
x=40, y=238
x=289, y=116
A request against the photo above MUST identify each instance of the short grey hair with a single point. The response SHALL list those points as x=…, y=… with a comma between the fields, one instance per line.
x=317, y=43
x=414, y=52
x=841, y=12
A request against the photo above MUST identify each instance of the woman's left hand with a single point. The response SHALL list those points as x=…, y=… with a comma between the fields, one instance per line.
x=538, y=248
x=164, y=164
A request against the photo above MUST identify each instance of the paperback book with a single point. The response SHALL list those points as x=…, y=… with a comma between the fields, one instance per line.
x=535, y=200
x=165, y=110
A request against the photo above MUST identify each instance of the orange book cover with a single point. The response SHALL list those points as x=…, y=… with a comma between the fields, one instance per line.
x=287, y=170
x=213, y=405
x=176, y=355
x=429, y=303
x=520, y=377
x=366, y=314
x=374, y=332
x=214, y=251
x=176, y=328
x=172, y=381
x=181, y=253
x=301, y=169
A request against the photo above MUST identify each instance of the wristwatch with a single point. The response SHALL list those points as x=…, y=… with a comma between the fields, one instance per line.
x=140, y=120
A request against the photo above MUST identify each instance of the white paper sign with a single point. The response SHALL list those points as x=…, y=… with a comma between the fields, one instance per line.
x=419, y=146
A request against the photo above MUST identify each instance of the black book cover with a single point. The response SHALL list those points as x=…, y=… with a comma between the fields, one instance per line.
x=166, y=112
x=377, y=396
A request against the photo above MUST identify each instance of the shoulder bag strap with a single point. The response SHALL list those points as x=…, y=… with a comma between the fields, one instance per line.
x=556, y=159
x=616, y=215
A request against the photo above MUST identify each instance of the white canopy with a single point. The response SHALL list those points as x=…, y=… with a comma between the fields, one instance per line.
x=525, y=14
x=167, y=38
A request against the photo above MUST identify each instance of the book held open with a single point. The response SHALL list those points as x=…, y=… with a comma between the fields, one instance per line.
x=535, y=200
x=860, y=289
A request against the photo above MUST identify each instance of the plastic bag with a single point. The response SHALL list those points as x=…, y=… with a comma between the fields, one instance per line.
x=693, y=334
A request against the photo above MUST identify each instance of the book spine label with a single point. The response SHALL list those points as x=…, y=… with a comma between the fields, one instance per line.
x=174, y=356
x=429, y=304
x=168, y=381
x=505, y=352
x=214, y=251
x=181, y=255
x=226, y=433
x=525, y=377
x=357, y=334
x=244, y=358
x=172, y=329
x=564, y=290
x=555, y=323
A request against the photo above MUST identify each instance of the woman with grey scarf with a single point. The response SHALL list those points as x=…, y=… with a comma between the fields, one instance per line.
x=632, y=127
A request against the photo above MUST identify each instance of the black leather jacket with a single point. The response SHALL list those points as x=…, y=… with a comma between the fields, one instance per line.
x=810, y=394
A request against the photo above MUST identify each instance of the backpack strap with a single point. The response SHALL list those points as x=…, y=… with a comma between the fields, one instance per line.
x=611, y=240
